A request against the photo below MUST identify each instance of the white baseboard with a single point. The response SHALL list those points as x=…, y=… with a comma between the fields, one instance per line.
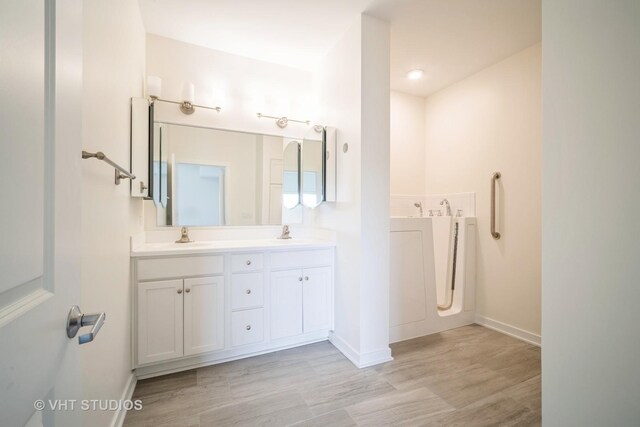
x=127, y=393
x=518, y=333
x=360, y=360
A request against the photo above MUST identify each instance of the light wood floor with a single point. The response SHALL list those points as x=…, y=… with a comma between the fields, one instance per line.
x=470, y=376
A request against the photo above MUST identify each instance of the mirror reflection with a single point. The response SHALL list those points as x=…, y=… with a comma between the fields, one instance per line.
x=291, y=175
x=313, y=167
x=211, y=177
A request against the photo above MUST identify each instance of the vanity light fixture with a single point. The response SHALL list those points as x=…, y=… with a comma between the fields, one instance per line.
x=415, y=74
x=283, y=121
x=154, y=89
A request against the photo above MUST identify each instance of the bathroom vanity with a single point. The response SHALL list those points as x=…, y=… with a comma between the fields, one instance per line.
x=214, y=300
x=203, y=303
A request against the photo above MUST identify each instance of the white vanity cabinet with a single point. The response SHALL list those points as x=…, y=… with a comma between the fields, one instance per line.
x=160, y=320
x=203, y=315
x=196, y=309
x=180, y=317
x=300, y=301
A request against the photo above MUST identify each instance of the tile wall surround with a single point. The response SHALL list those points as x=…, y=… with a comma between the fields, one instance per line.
x=403, y=204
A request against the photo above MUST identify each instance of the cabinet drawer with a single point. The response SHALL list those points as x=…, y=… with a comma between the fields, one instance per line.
x=247, y=327
x=246, y=262
x=247, y=291
x=149, y=269
x=301, y=259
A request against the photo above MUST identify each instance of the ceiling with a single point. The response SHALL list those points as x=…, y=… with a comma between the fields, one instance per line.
x=448, y=39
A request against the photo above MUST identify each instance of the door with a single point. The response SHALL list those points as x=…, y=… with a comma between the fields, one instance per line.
x=286, y=303
x=40, y=147
x=160, y=321
x=315, y=301
x=203, y=315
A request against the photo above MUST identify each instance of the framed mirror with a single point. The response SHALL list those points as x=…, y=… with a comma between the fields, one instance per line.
x=313, y=167
x=291, y=175
x=211, y=177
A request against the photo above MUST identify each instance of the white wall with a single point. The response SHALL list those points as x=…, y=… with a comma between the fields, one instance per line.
x=352, y=94
x=491, y=121
x=114, y=61
x=407, y=144
x=590, y=281
x=250, y=87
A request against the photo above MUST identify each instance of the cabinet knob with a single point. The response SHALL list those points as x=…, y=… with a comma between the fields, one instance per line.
x=300, y=279
x=187, y=290
x=179, y=291
x=248, y=327
x=248, y=262
x=248, y=291
x=306, y=277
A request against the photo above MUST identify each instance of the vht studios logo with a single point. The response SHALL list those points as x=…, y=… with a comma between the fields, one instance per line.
x=88, y=405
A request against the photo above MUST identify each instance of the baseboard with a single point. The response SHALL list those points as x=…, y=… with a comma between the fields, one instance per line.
x=504, y=328
x=360, y=360
x=127, y=393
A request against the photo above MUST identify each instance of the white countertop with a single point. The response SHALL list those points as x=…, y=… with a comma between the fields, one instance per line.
x=214, y=246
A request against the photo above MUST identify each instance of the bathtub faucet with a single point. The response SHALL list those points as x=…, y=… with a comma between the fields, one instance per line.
x=446, y=205
x=419, y=206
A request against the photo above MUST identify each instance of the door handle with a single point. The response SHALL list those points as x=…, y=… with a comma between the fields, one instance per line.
x=76, y=320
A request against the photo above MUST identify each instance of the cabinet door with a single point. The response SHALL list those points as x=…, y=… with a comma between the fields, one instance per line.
x=286, y=303
x=159, y=321
x=203, y=315
x=316, y=293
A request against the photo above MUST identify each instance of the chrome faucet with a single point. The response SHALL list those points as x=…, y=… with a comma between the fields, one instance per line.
x=184, y=236
x=285, y=233
x=447, y=206
x=419, y=206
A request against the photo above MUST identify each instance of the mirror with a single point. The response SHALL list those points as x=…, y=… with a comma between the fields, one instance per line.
x=313, y=167
x=212, y=177
x=291, y=175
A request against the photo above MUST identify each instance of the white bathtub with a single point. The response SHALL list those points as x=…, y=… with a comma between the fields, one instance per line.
x=421, y=276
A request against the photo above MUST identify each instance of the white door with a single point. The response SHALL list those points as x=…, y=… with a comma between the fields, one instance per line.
x=160, y=309
x=315, y=300
x=286, y=303
x=40, y=154
x=203, y=315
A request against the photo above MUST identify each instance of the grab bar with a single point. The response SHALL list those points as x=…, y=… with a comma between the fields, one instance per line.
x=496, y=176
x=121, y=173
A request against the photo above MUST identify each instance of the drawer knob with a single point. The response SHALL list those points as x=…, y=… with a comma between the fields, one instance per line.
x=248, y=291
x=248, y=327
x=248, y=262
x=187, y=290
x=305, y=278
x=300, y=279
x=179, y=291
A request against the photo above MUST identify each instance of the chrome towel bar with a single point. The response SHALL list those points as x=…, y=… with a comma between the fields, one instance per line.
x=496, y=176
x=120, y=173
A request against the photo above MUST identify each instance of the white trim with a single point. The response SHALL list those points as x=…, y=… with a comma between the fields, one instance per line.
x=506, y=329
x=375, y=357
x=360, y=360
x=127, y=393
x=344, y=348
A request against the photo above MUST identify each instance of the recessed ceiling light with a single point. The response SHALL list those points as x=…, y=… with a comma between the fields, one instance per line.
x=415, y=74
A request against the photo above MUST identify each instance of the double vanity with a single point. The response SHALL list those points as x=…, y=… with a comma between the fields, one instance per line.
x=221, y=298
x=202, y=303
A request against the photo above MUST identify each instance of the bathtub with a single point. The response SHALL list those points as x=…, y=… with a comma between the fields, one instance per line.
x=421, y=273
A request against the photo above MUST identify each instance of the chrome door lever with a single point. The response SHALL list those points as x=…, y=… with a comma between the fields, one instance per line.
x=76, y=320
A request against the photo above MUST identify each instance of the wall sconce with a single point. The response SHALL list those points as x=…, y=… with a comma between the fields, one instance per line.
x=187, y=106
x=283, y=121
